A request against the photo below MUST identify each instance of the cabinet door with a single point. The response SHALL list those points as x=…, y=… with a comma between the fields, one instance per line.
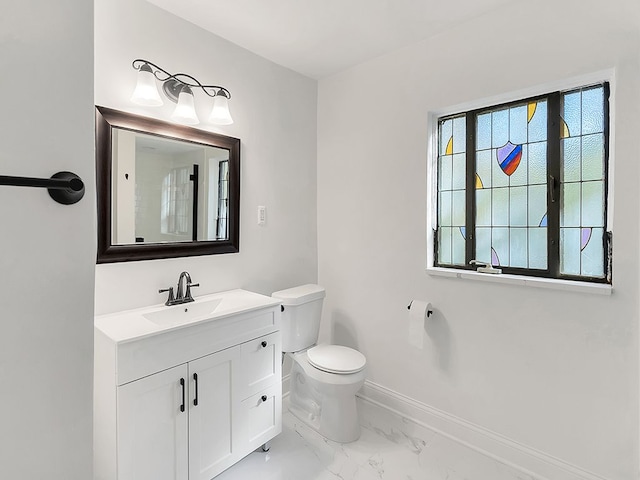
x=213, y=414
x=261, y=364
x=152, y=429
x=261, y=417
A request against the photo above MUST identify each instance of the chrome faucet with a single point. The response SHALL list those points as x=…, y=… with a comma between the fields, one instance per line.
x=183, y=295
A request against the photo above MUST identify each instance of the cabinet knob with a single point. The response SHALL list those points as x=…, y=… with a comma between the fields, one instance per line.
x=263, y=398
x=264, y=343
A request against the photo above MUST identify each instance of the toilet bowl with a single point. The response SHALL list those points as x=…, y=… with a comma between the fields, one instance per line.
x=326, y=400
x=324, y=378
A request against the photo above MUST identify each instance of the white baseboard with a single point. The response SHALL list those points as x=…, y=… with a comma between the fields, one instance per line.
x=500, y=448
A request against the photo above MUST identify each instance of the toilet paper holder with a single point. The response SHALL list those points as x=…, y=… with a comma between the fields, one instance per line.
x=429, y=312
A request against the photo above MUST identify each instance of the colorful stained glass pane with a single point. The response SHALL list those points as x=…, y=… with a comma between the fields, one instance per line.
x=592, y=201
x=571, y=112
x=538, y=248
x=483, y=167
x=499, y=128
x=509, y=157
x=531, y=110
x=457, y=250
x=459, y=172
x=483, y=132
x=500, y=244
x=445, y=172
x=537, y=163
x=518, y=124
x=593, y=157
x=498, y=177
x=483, y=244
x=449, y=149
x=444, y=245
x=446, y=134
x=483, y=207
x=592, y=256
x=518, y=206
x=537, y=127
x=518, y=247
x=585, y=237
x=495, y=259
x=519, y=177
x=592, y=111
x=564, y=129
x=500, y=207
x=536, y=204
x=570, y=205
x=570, y=148
x=459, y=205
x=544, y=221
x=570, y=251
x=459, y=135
x=444, y=209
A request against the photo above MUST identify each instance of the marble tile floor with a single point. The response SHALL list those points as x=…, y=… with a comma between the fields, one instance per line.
x=390, y=448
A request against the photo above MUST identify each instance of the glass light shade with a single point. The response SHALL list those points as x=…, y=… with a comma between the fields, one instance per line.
x=185, y=111
x=146, y=92
x=220, y=113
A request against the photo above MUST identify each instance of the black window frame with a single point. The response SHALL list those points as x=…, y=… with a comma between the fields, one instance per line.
x=554, y=159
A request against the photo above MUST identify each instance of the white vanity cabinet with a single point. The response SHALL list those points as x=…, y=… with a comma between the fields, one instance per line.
x=151, y=435
x=186, y=403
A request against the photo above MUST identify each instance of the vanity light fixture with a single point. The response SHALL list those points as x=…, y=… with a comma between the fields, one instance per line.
x=179, y=89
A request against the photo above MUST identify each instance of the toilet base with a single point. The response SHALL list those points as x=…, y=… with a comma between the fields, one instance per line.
x=324, y=401
x=337, y=424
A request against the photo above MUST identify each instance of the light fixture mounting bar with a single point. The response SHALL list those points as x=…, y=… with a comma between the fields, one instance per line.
x=162, y=75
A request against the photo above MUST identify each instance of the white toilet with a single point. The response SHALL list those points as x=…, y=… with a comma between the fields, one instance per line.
x=324, y=378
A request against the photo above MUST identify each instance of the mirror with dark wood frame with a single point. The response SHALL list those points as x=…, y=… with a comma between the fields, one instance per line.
x=164, y=190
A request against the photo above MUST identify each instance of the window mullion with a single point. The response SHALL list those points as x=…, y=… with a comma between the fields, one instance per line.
x=470, y=188
x=553, y=184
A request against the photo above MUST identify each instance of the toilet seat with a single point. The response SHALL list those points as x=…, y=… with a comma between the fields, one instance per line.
x=336, y=359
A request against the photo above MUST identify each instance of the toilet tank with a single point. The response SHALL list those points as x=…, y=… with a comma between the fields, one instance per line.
x=300, y=322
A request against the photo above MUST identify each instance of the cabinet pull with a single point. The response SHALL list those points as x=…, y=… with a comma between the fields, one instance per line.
x=263, y=343
x=263, y=398
x=182, y=385
x=195, y=398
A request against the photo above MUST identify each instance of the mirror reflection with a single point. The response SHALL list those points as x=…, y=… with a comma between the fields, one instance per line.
x=165, y=190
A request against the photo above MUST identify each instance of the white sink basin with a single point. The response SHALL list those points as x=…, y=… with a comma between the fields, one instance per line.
x=184, y=313
x=141, y=322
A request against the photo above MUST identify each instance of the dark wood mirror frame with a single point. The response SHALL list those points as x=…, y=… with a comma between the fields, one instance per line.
x=106, y=120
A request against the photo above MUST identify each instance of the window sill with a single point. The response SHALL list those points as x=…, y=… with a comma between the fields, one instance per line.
x=536, y=282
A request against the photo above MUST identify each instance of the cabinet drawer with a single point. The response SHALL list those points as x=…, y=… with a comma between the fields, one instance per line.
x=261, y=416
x=261, y=364
x=148, y=355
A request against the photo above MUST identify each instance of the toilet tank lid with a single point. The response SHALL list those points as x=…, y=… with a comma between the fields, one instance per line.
x=299, y=295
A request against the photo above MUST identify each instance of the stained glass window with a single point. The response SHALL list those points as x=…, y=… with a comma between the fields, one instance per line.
x=510, y=193
x=538, y=202
x=583, y=182
x=451, y=190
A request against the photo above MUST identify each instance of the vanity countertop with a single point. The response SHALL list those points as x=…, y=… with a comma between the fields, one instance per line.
x=143, y=322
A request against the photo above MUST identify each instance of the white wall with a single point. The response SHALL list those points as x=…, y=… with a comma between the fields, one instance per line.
x=47, y=250
x=555, y=371
x=274, y=111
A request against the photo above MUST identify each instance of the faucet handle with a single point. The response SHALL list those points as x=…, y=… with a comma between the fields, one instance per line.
x=187, y=295
x=170, y=300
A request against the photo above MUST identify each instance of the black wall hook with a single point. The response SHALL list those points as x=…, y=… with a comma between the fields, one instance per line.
x=66, y=188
